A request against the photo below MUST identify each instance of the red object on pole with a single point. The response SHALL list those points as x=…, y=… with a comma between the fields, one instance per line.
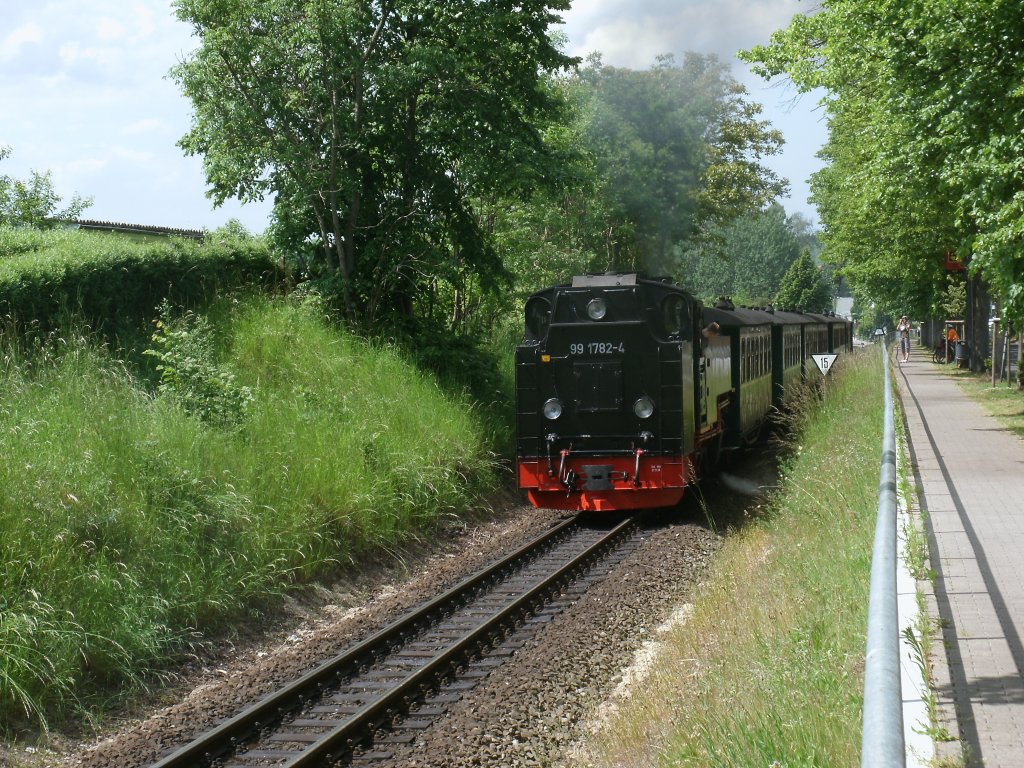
x=953, y=264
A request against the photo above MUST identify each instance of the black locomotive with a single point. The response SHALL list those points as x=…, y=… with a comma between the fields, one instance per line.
x=627, y=387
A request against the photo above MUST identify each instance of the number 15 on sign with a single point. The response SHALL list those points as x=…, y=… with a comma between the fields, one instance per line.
x=824, y=362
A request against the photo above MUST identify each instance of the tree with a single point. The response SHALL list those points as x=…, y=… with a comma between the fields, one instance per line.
x=926, y=133
x=642, y=163
x=35, y=202
x=954, y=302
x=563, y=229
x=746, y=259
x=680, y=148
x=374, y=125
x=804, y=287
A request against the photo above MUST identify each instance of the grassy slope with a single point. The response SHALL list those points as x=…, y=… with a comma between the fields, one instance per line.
x=129, y=523
x=768, y=669
x=1002, y=401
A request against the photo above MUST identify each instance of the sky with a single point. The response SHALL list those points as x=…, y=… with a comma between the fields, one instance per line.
x=84, y=93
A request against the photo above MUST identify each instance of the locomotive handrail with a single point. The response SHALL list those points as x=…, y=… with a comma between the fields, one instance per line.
x=882, y=744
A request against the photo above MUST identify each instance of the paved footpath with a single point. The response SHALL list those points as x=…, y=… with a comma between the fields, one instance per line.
x=970, y=473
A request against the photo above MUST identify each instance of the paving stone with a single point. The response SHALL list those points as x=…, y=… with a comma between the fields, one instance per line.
x=970, y=473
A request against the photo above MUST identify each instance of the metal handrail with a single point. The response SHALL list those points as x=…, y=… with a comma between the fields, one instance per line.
x=882, y=743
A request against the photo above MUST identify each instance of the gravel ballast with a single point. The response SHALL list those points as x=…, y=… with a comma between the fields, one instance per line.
x=528, y=712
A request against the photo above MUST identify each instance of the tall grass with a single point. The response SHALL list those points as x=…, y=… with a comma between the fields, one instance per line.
x=128, y=522
x=768, y=669
x=349, y=433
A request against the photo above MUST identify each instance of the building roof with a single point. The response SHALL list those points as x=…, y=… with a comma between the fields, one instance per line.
x=138, y=229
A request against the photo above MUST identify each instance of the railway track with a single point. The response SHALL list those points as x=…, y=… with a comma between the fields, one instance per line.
x=389, y=685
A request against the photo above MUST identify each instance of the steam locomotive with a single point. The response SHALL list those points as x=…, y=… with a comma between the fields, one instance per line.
x=628, y=388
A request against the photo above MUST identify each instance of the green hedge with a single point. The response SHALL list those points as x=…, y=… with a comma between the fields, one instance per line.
x=112, y=281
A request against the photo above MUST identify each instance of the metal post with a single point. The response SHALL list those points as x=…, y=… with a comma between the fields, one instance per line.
x=995, y=327
x=969, y=315
x=882, y=744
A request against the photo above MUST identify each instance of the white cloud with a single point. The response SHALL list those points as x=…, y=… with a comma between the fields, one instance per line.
x=109, y=30
x=84, y=166
x=141, y=126
x=132, y=156
x=145, y=21
x=53, y=82
x=70, y=51
x=631, y=43
x=12, y=44
x=96, y=108
x=100, y=65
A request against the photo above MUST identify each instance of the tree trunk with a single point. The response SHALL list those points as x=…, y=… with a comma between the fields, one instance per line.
x=978, y=306
x=1020, y=357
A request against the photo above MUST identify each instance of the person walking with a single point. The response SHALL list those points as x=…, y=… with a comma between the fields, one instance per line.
x=903, y=329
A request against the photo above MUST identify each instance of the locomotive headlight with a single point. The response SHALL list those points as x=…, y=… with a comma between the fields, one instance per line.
x=597, y=309
x=643, y=407
x=552, y=408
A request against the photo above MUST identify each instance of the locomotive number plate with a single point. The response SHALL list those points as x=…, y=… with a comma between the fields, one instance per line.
x=597, y=348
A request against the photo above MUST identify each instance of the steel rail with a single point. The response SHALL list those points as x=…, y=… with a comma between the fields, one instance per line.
x=271, y=709
x=882, y=744
x=345, y=735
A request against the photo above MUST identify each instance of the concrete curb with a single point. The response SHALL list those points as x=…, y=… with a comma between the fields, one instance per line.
x=923, y=750
x=917, y=728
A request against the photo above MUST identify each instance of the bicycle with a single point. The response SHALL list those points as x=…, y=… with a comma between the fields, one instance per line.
x=943, y=353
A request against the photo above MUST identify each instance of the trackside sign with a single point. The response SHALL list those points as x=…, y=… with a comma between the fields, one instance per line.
x=824, y=362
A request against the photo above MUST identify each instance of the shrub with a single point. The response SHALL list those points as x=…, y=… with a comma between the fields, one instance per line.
x=114, y=282
x=189, y=371
x=462, y=363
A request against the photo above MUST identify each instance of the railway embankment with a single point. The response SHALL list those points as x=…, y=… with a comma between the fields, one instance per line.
x=147, y=511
